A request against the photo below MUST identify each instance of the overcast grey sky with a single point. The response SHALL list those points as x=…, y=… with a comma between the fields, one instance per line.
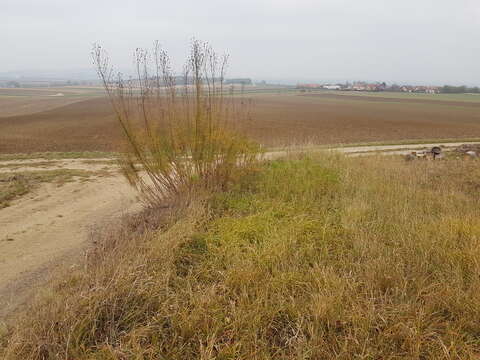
x=430, y=41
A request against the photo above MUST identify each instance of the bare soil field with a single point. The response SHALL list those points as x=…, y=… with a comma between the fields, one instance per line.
x=28, y=101
x=277, y=119
x=441, y=100
x=330, y=119
x=83, y=125
x=25, y=105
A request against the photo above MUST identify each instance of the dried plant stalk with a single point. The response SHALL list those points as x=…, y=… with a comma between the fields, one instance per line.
x=181, y=131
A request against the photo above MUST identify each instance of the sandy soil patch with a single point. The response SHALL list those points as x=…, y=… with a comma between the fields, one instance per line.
x=50, y=227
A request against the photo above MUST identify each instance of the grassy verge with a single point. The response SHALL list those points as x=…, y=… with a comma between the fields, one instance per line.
x=15, y=165
x=36, y=164
x=413, y=142
x=313, y=147
x=58, y=155
x=307, y=258
x=14, y=185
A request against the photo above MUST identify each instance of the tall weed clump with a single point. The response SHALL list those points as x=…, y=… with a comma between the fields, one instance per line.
x=182, y=132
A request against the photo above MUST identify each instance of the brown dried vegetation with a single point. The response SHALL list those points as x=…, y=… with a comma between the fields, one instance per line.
x=177, y=138
x=308, y=258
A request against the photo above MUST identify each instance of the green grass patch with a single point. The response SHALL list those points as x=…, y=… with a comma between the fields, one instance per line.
x=412, y=142
x=39, y=164
x=59, y=155
x=311, y=147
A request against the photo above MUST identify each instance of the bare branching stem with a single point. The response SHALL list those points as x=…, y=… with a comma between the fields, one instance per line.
x=180, y=131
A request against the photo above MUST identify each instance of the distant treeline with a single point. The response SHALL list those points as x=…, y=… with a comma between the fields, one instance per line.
x=179, y=80
x=45, y=83
x=182, y=80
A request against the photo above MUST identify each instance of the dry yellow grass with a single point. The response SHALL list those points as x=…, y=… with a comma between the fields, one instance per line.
x=16, y=184
x=306, y=258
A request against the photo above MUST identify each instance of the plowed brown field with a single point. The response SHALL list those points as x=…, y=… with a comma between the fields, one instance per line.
x=277, y=119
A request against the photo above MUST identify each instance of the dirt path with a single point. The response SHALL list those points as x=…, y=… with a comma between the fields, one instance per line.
x=398, y=149
x=10, y=166
x=361, y=150
x=51, y=225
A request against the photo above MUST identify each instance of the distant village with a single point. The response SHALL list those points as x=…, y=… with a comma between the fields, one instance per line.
x=25, y=82
x=377, y=87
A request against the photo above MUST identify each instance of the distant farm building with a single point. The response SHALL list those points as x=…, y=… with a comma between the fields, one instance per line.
x=319, y=86
x=362, y=86
x=421, y=89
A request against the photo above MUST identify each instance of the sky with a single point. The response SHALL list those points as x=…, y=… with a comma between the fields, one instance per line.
x=403, y=41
